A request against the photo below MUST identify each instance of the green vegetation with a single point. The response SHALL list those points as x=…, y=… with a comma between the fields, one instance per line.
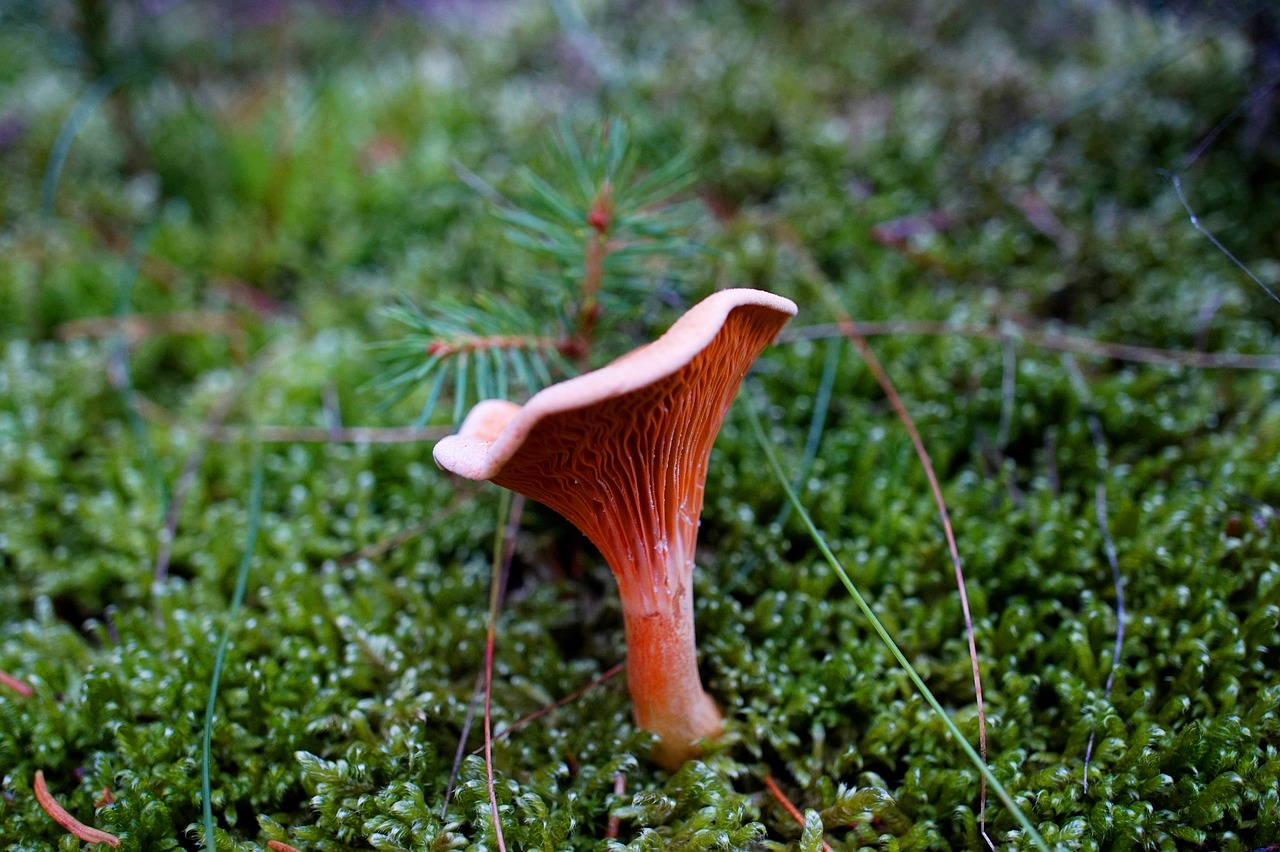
x=207, y=211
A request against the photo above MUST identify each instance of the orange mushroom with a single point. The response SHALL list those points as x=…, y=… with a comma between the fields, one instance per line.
x=621, y=452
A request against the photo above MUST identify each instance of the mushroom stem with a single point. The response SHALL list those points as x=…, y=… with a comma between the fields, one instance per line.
x=662, y=676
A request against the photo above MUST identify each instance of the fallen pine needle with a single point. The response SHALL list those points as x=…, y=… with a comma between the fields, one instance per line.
x=777, y=793
x=66, y=820
x=19, y=686
x=280, y=847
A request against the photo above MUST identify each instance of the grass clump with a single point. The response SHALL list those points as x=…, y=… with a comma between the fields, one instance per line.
x=994, y=168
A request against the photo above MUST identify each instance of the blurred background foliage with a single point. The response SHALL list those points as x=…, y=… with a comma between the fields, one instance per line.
x=207, y=209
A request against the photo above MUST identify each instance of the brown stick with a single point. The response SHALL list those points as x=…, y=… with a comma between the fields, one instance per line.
x=1045, y=340
x=19, y=686
x=777, y=793
x=612, y=826
x=66, y=820
x=139, y=327
x=224, y=434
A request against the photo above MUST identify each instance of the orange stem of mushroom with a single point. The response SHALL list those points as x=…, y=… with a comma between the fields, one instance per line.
x=662, y=675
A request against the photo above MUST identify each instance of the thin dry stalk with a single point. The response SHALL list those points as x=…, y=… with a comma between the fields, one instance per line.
x=1045, y=340
x=619, y=789
x=223, y=434
x=777, y=793
x=187, y=478
x=855, y=335
x=60, y=815
x=136, y=328
x=463, y=735
x=19, y=686
x=464, y=492
x=505, y=547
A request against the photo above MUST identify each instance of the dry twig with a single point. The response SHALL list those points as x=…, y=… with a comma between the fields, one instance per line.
x=66, y=820
x=777, y=793
x=1045, y=340
x=19, y=686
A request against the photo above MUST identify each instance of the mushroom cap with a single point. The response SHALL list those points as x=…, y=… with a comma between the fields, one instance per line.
x=495, y=429
x=622, y=451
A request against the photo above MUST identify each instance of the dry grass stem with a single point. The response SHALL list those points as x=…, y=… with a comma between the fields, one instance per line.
x=60, y=815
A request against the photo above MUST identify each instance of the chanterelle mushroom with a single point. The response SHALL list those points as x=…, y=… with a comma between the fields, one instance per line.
x=621, y=452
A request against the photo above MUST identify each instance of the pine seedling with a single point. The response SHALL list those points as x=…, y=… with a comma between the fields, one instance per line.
x=603, y=231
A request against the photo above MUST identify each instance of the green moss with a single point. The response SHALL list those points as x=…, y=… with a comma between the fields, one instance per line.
x=302, y=188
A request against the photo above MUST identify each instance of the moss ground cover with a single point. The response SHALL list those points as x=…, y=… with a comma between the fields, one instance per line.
x=248, y=188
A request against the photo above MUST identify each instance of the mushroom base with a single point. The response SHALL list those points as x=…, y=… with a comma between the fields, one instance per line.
x=666, y=690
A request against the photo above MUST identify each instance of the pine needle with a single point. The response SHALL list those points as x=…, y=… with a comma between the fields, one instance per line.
x=787, y=805
x=237, y=598
x=62, y=817
x=611, y=672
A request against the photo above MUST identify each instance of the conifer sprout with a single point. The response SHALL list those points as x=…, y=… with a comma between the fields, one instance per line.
x=621, y=452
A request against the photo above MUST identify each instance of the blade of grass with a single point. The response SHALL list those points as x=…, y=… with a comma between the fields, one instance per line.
x=80, y=112
x=118, y=364
x=821, y=404
x=880, y=630
x=237, y=598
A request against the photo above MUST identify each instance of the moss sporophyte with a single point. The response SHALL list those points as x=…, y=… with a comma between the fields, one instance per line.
x=621, y=452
